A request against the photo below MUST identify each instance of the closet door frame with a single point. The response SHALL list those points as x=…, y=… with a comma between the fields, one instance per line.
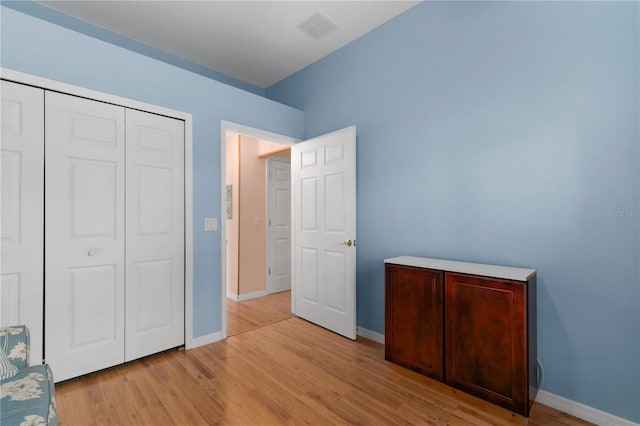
x=44, y=83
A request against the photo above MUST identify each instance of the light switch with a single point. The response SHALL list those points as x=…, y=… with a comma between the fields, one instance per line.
x=210, y=223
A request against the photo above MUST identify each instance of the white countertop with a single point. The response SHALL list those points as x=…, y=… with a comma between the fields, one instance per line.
x=503, y=272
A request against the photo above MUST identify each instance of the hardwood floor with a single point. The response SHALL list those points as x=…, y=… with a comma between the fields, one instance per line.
x=288, y=372
x=254, y=313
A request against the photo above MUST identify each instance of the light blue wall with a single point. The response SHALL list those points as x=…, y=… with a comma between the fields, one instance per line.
x=503, y=133
x=37, y=10
x=41, y=48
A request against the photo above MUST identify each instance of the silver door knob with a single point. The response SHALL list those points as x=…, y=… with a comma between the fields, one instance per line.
x=92, y=252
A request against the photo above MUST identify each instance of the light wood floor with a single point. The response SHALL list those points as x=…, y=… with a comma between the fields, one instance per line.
x=254, y=313
x=289, y=372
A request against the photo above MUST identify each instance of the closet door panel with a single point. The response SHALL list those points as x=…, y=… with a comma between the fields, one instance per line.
x=84, y=235
x=21, y=211
x=155, y=234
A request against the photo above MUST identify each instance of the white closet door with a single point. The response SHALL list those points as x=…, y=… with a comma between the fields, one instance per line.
x=22, y=169
x=155, y=234
x=84, y=235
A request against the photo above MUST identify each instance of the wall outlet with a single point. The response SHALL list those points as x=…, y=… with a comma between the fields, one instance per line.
x=210, y=223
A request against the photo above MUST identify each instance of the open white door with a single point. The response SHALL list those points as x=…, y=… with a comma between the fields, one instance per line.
x=323, y=173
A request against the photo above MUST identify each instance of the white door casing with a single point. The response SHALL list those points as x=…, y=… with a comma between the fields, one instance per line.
x=278, y=225
x=84, y=234
x=155, y=233
x=21, y=207
x=323, y=173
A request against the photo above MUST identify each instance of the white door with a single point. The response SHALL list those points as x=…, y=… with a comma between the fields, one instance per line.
x=324, y=230
x=279, y=225
x=155, y=234
x=84, y=235
x=21, y=205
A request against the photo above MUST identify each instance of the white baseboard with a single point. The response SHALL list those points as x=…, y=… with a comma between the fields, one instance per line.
x=246, y=296
x=204, y=340
x=582, y=411
x=370, y=334
x=254, y=295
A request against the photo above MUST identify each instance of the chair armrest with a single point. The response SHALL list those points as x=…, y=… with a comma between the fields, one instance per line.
x=15, y=343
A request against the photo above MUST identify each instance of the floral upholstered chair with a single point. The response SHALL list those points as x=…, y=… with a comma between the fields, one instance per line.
x=26, y=393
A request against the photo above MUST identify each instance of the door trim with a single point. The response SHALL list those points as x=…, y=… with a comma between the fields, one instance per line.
x=47, y=84
x=241, y=129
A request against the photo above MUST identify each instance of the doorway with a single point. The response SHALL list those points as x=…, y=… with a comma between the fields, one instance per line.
x=256, y=235
x=323, y=220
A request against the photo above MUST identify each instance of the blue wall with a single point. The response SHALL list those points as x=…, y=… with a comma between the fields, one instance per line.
x=41, y=48
x=37, y=10
x=503, y=133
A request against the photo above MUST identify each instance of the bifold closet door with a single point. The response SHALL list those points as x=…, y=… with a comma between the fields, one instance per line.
x=84, y=234
x=22, y=198
x=155, y=234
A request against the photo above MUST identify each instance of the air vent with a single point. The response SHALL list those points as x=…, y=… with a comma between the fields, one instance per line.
x=318, y=26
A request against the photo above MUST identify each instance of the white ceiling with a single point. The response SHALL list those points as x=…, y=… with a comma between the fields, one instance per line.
x=254, y=41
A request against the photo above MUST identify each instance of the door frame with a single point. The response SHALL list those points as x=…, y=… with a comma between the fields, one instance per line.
x=241, y=129
x=47, y=84
x=268, y=253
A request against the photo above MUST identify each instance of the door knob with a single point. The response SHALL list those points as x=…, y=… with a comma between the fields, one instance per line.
x=348, y=243
x=92, y=252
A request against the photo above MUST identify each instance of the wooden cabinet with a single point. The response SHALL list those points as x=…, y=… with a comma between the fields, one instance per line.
x=413, y=319
x=471, y=326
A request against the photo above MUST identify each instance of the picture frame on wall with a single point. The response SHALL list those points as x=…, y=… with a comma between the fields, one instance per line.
x=229, y=202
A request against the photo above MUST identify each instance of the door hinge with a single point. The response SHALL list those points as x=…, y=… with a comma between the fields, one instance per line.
x=269, y=271
x=269, y=222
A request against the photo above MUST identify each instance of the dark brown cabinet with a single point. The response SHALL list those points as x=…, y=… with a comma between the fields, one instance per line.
x=413, y=319
x=476, y=333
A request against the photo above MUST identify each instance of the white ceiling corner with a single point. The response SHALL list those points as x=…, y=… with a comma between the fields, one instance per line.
x=258, y=42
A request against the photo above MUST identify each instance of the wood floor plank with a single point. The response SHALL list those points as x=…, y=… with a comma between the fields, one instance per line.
x=289, y=372
x=254, y=313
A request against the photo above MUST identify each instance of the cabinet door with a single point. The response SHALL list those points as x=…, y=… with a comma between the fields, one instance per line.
x=413, y=320
x=485, y=334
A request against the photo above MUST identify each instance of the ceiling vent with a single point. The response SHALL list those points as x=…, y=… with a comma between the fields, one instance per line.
x=318, y=26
